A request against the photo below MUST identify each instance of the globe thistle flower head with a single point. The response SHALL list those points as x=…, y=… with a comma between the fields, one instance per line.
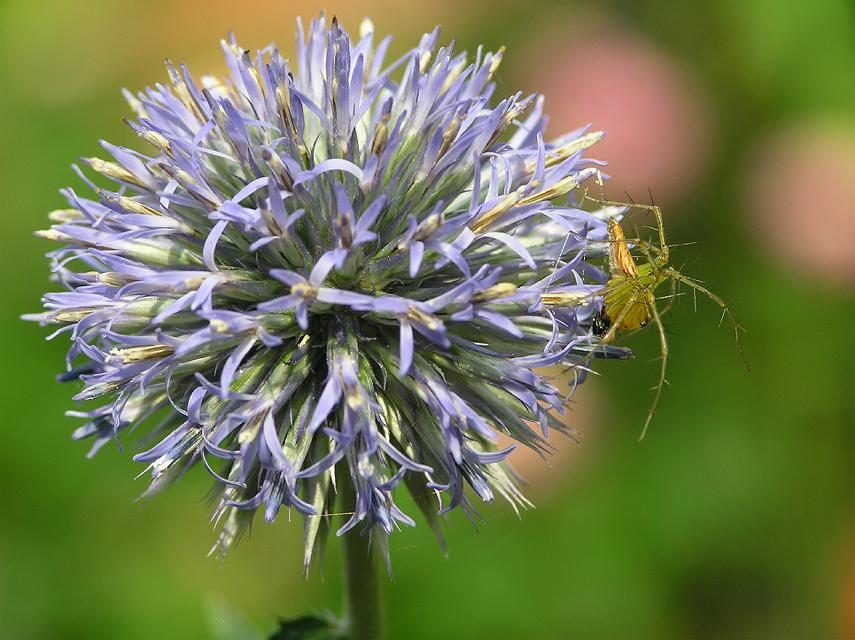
x=331, y=276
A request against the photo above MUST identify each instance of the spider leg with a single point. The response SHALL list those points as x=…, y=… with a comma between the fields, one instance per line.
x=671, y=297
x=663, y=246
x=648, y=250
x=612, y=332
x=650, y=301
x=676, y=275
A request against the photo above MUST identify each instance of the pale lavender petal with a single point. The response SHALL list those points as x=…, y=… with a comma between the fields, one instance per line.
x=233, y=362
x=417, y=251
x=326, y=403
x=406, y=354
x=211, y=244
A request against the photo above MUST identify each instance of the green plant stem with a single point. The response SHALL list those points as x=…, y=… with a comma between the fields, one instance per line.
x=365, y=610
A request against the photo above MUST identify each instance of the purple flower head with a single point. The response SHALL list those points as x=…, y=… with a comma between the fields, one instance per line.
x=338, y=274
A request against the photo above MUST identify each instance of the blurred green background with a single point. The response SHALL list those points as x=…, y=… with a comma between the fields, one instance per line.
x=735, y=518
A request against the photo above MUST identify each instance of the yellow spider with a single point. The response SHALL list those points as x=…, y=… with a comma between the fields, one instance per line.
x=629, y=300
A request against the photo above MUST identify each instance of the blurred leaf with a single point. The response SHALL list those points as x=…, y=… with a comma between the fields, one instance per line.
x=308, y=628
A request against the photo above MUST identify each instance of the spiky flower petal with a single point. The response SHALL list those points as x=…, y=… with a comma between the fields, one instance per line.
x=341, y=273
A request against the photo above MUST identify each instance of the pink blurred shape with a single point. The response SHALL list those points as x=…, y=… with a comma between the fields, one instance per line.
x=658, y=129
x=799, y=196
x=587, y=413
